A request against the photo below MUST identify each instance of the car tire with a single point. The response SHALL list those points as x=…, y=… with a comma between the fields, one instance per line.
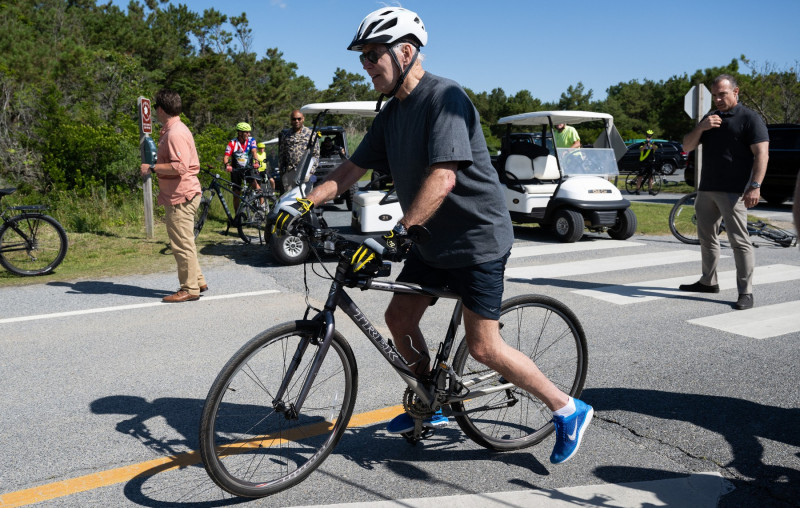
x=625, y=226
x=668, y=168
x=567, y=225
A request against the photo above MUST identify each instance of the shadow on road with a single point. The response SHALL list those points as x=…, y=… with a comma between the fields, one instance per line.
x=94, y=287
x=742, y=423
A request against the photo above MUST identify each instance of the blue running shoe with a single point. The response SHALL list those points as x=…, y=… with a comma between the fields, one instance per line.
x=569, y=432
x=403, y=423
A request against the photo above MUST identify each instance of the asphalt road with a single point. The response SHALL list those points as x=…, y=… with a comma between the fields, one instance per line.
x=695, y=402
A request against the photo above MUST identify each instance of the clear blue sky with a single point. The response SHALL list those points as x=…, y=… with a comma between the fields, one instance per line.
x=541, y=46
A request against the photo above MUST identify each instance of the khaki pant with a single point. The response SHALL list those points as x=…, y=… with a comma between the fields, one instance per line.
x=711, y=208
x=180, y=229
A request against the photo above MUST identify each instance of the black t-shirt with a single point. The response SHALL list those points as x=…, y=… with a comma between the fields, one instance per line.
x=727, y=157
x=438, y=123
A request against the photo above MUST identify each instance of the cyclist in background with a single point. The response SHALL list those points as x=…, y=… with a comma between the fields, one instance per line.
x=241, y=158
x=647, y=163
x=263, y=165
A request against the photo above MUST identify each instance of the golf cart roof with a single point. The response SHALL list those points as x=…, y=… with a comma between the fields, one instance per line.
x=359, y=108
x=557, y=117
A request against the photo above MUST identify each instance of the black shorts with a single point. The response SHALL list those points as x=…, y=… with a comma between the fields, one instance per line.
x=479, y=286
x=238, y=175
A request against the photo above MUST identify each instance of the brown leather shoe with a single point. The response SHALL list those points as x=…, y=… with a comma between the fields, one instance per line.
x=181, y=296
x=204, y=288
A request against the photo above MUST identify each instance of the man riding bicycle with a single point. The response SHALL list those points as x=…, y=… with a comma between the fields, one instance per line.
x=647, y=163
x=429, y=138
x=241, y=158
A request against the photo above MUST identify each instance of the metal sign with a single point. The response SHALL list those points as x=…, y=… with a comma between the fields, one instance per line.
x=697, y=101
x=145, y=114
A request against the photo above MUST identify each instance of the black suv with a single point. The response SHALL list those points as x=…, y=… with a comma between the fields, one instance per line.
x=669, y=157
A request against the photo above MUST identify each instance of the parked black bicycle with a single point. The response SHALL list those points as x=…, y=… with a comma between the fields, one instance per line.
x=31, y=243
x=683, y=224
x=282, y=402
x=250, y=219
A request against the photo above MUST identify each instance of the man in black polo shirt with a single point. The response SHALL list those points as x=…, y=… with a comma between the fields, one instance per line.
x=735, y=152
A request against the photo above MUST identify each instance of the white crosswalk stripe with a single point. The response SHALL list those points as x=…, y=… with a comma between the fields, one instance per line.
x=638, y=292
x=757, y=323
x=601, y=265
x=562, y=248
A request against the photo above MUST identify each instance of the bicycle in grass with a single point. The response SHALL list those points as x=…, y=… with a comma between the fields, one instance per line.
x=683, y=224
x=250, y=218
x=283, y=401
x=650, y=176
x=31, y=243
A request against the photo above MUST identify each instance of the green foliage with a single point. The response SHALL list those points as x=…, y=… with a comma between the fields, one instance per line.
x=71, y=71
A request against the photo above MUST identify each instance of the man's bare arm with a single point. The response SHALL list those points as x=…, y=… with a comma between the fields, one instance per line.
x=437, y=185
x=761, y=156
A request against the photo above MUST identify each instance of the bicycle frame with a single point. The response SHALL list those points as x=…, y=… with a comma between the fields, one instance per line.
x=430, y=389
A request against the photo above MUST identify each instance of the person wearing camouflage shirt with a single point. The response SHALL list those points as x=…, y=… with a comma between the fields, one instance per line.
x=292, y=145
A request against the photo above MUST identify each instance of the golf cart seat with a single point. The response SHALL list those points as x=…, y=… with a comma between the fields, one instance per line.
x=534, y=176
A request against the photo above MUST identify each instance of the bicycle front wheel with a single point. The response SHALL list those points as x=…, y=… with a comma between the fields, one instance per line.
x=683, y=221
x=547, y=332
x=630, y=184
x=253, y=444
x=658, y=182
x=252, y=221
x=32, y=244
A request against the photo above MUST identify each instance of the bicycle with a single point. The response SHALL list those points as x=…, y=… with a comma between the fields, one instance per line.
x=250, y=218
x=650, y=176
x=282, y=402
x=683, y=225
x=31, y=243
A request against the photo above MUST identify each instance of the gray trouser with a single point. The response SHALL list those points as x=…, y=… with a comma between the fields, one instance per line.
x=711, y=208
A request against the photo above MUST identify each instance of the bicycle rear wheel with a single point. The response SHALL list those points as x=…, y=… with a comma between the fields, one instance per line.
x=683, y=221
x=202, y=213
x=250, y=443
x=32, y=244
x=547, y=332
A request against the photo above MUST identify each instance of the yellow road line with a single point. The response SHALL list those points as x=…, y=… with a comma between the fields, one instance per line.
x=148, y=468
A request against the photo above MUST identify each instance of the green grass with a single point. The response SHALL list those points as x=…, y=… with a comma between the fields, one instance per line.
x=107, y=237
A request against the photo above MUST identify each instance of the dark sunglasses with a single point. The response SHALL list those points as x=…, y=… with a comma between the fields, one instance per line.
x=297, y=119
x=372, y=56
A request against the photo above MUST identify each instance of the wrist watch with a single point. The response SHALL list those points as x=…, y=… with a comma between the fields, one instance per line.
x=755, y=185
x=152, y=167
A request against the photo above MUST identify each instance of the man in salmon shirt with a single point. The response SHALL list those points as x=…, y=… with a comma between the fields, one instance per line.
x=177, y=166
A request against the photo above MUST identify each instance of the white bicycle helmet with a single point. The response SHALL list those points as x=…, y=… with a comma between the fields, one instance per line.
x=387, y=26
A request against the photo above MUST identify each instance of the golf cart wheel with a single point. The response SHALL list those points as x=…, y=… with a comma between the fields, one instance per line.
x=568, y=225
x=288, y=249
x=349, y=195
x=625, y=226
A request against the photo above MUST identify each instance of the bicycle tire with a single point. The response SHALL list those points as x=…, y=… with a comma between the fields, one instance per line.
x=776, y=235
x=202, y=214
x=658, y=182
x=683, y=221
x=251, y=449
x=549, y=333
x=630, y=184
x=37, y=248
x=252, y=216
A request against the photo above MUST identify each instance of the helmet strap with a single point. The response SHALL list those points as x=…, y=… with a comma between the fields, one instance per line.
x=400, y=80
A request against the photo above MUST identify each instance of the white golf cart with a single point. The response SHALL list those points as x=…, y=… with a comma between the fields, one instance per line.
x=289, y=249
x=564, y=189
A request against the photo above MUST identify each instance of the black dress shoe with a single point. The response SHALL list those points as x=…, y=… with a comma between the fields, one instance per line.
x=204, y=288
x=745, y=301
x=697, y=287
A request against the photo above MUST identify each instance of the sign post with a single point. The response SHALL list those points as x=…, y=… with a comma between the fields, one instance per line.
x=146, y=151
x=696, y=103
